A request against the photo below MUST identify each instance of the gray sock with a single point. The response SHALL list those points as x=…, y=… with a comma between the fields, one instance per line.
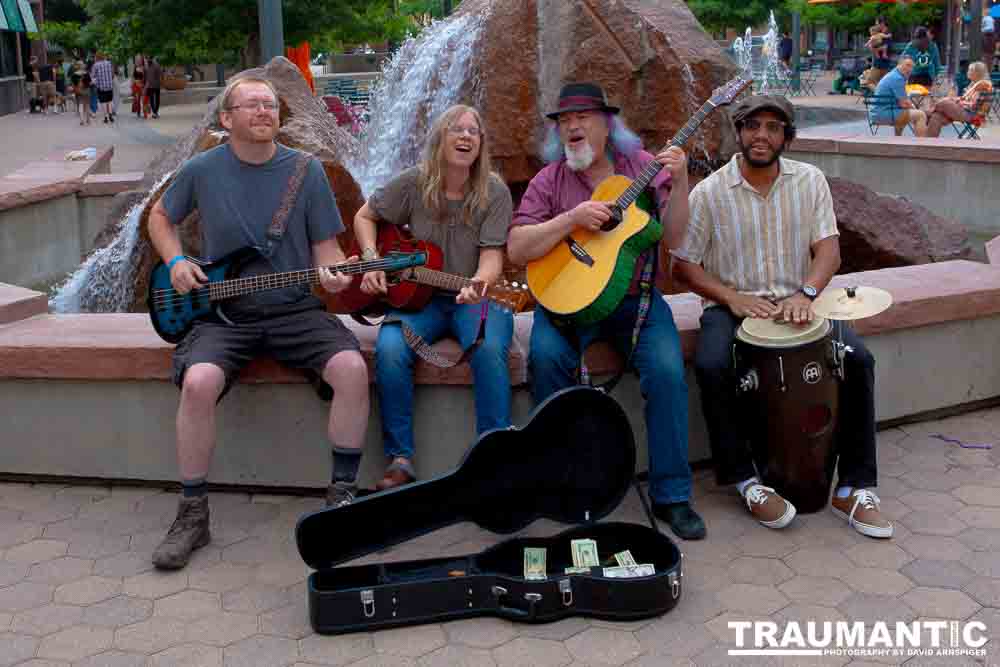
x=345, y=464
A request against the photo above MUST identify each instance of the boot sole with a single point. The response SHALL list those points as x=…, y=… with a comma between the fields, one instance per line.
x=171, y=565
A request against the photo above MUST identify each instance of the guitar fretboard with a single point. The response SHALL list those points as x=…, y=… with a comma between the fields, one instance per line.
x=228, y=289
x=653, y=168
x=440, y=279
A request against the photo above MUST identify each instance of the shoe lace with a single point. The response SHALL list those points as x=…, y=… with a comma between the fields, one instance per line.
x=758, y=493
x=342, y=497
x=865, y=499
x=183, y=522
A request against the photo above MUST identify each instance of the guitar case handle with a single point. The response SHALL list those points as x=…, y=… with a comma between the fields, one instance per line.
x=514, y=613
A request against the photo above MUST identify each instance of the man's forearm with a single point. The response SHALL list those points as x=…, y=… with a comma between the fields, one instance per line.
x=162, y=234
x=825, y=263
x=529, y=242
x=702, y=282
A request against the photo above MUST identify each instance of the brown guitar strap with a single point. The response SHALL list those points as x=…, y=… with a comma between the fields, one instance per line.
x=288, y=199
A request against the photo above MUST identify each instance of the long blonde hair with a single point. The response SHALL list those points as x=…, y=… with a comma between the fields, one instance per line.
x=432, y=186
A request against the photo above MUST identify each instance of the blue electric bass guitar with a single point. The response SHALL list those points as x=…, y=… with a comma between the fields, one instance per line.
x=172, y=313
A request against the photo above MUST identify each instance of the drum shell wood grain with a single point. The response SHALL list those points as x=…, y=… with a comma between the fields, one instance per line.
x=792, y=422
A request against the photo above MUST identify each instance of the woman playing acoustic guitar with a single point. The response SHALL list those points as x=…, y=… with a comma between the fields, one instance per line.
x=453, y=200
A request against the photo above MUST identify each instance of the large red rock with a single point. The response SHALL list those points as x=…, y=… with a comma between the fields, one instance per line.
x=636, y=50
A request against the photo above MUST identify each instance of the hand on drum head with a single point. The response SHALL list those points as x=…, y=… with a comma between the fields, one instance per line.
x=796, y=309
x=747, y=305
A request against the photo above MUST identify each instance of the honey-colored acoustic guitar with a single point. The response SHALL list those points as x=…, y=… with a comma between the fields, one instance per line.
x=585, y=278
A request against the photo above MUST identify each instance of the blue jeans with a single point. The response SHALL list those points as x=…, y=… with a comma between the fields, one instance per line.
x=657, y=358
x=394, y=366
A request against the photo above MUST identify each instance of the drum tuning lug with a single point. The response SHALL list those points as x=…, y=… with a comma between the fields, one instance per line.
x=749, y=382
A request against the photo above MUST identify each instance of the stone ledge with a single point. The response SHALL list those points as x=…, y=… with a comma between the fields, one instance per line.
x=18, y=303
x=125, y=347
x=107, y=185
x=51, y=177
x=951, y=150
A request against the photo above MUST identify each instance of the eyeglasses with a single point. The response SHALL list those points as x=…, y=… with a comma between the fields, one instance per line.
x=772, y=126
x=266, y=105
x=459, y=131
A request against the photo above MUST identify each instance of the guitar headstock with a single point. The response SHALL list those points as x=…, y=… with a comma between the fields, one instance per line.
x=725, y=94
x=509, y=294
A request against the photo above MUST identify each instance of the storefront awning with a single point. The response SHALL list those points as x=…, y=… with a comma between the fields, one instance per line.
x=16, y=15
x=3, y=21
x=28, y=16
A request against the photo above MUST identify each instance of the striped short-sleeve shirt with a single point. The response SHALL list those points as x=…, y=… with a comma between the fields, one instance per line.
x=757, y=245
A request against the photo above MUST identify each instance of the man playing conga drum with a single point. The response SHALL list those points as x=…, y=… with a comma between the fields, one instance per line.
x=762, y=241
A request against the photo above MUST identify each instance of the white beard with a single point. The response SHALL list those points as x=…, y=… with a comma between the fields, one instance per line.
x=579, y=159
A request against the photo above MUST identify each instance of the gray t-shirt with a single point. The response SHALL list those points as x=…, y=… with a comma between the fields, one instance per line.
x=236, y=202
x=400, y=203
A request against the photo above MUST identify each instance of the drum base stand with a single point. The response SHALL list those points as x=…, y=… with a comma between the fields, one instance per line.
x=840, y=350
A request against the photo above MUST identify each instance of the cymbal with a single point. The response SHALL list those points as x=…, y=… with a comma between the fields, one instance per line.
x=851, y=303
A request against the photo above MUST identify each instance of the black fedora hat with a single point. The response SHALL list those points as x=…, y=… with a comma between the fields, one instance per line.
x=582, y=97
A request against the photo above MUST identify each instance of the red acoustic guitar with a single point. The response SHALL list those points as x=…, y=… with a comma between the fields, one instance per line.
x=411, y=289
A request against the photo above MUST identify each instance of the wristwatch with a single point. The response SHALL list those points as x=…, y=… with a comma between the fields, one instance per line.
x=809, y=291
x=368, y=254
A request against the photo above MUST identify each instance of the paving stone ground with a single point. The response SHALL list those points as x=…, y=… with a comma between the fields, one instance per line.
x=77, y=588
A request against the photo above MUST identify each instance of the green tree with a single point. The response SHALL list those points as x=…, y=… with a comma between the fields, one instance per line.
x=717, y=16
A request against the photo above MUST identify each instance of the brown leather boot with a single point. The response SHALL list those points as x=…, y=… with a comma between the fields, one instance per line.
x=188, y=532
x=398, y=473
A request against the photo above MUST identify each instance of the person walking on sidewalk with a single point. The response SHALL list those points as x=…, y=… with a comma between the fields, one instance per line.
x=154, y=74
x=103, y=76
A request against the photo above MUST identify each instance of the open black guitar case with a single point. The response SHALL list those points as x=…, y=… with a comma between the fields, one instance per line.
x=573, y=462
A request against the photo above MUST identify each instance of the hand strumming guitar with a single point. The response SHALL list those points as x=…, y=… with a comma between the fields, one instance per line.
x=335, y=281
x=186, y=276
x=590, y=215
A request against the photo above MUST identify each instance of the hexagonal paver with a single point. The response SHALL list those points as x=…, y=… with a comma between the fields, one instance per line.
x=221, y=577
x=981, y=517
x=223, y=629
x=89, y=590
x=76, y=643
x=291, y=621
x=458, y=656
x=150, y=636
x=411, y=642
x=939, y=573
x=602, y=646
x=819, y=562
x=771, y=544
x=878, y=581
x=980, y=539
x=972, y=494
x=261, y=651
x=21, y=532
x=11, y=573
x=255, y=599
x=986, y=591
x=983, y=563
x=934, y=547
x=118, y=611
x=816, y=590
x=676, y=639
x=122, y=564
x=41, y=662
x=46, y=620
x=880, y=554
x=705, y=576
x=803, y=613
x=188, y=605
x=114, y=659
x=25, y=595
x=559, y=631
x=762, y=571
x=385, y=660
x=480, y=632
x=97, y=546
x=16, y=648
x=940, y=603
x=36, y=551
x=929, y=480
x=61, y=570
x=752, y=599
x=933, y=523
x=874, y=608
x=719, y=628
x=530, y=651
x=156, y=584
x=188, y=655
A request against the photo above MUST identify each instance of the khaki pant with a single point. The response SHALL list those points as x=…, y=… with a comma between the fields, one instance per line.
x=914, y=117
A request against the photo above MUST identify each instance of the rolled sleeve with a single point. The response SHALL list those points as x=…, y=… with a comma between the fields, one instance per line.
x=536, y=204
x=393, y=202
x=697, y=236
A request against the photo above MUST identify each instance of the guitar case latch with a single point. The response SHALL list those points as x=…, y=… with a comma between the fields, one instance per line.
x=675, y=585
x=566, y=588
x=368, y=602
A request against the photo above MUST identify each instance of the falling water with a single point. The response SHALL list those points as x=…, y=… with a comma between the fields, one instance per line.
x=105, y=282
x=427, y=74
x=774, y=76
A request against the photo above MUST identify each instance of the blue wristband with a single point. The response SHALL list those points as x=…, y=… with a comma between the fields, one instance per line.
x=173, y=261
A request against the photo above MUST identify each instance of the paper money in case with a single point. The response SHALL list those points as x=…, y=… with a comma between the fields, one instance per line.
x=584, y=553
x=629, y=571
x=534, y=563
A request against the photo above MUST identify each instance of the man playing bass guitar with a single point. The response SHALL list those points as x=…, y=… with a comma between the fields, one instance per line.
x=586, y=144
x=454, y=200
x=238, y=189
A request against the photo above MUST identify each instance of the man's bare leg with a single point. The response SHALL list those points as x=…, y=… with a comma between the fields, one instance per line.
x=347, y=373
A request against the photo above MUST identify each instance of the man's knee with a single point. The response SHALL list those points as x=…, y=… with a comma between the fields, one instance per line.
x=203, y=383
x=347, y=368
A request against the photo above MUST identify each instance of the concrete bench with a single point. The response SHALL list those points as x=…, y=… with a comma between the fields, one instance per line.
x=90, y=395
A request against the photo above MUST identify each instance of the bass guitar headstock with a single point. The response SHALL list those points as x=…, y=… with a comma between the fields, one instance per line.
x=725, y=94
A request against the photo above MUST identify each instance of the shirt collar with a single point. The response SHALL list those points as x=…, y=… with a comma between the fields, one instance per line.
x=734, y=176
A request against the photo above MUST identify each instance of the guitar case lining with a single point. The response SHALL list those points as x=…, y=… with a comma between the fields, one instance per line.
x=573, y=462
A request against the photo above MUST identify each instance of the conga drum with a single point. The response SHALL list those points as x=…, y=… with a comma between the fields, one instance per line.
x=786, y=373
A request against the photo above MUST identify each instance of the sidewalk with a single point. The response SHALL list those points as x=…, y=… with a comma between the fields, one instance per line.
x=27, y=137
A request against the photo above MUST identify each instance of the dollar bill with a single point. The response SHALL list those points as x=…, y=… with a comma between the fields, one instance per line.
x=629, y=571
x=534, y=563
x=577, y=570
x=584, y=553
x=625, y=558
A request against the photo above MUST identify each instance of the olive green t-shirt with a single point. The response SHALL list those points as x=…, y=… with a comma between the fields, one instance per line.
x=399, y=202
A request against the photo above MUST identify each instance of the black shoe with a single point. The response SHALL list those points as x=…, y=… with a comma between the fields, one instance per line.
x=682, y=519
x=188, y=532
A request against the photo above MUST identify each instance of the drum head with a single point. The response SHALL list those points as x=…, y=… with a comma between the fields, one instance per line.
x=768, y=333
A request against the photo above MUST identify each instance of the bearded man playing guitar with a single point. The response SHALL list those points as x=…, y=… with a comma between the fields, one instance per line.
x=237, y=188
x=454, y=200
x=587, y=144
